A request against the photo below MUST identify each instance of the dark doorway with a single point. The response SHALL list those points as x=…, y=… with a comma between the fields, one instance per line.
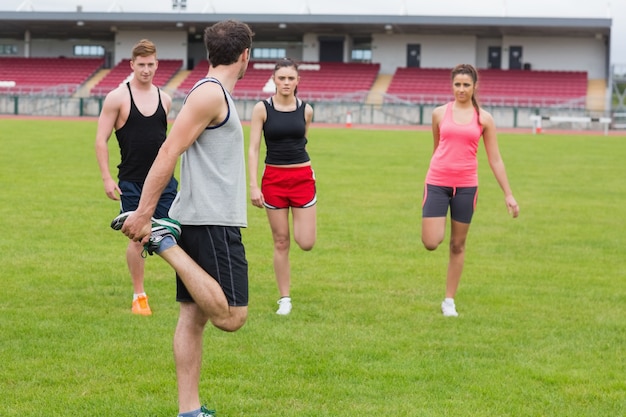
x=413, y=55
x=331, y=49
x=515, y=57
x=495, y=57
x=108, y=59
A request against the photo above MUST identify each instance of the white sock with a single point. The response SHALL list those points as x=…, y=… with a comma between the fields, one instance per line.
x=135, y=296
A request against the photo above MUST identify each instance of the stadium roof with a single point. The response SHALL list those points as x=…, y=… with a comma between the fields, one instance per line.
x=290, y=27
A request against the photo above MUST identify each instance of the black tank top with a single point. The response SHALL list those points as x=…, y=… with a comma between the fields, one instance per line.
x=140, y=139
x=284, y=134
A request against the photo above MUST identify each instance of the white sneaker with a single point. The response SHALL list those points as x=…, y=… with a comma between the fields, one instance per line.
x=284, y=306
x=448, y=308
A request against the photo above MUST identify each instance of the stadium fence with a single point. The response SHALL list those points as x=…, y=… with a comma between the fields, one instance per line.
x=328, y=109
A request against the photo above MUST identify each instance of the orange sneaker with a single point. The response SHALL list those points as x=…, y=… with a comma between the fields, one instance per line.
x=140, y=306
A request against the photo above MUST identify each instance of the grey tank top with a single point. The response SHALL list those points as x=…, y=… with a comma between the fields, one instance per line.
x=212, y=174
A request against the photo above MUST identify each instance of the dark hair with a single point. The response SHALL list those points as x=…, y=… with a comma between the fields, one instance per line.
x=468, y=69
x=225, y=41
x=287, y=63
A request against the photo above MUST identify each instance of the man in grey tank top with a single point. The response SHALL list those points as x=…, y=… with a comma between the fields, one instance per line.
x=209, y=257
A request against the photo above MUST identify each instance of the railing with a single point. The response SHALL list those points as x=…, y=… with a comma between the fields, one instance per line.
x=417, y=99
x=329, y=108
x=491, y=101
x=311, y=96
x=60, y=90
x=99, y=91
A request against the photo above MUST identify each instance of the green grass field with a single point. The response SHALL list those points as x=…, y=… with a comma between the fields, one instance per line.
x=541, y=332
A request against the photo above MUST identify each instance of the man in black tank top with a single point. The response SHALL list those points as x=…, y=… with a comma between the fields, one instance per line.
x=137, y=111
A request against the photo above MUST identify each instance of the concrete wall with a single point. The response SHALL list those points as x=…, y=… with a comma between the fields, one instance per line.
x=336, y=113
x=170, y=45
x=562, y=53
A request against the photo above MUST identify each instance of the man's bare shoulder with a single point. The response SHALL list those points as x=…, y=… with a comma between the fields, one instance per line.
x=166, y=99
x=118, y=96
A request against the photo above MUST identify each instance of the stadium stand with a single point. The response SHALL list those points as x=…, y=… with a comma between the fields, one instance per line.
x=256, y=83
x=120, y=72
x=249, y=87
x=344, y=82
x=199, y=71
x=328, y=81
x=337, y=81
x=524, y=88
x=55, y=76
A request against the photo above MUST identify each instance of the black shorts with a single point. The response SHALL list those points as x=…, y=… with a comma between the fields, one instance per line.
x=461, y=200
x=131, y=193
x=220, y=252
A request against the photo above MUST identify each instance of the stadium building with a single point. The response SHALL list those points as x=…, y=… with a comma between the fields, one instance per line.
x=388, y=68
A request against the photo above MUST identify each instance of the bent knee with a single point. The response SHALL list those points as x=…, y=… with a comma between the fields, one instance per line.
x=229, y=327
x=306, y=246
x=232, y=323
x=430, y=244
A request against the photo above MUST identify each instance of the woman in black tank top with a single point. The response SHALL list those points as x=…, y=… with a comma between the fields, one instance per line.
x=288, y=180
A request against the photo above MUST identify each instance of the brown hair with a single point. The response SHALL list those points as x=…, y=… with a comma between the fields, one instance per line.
x=468, y=69
x=287, y=63
x=144, y=48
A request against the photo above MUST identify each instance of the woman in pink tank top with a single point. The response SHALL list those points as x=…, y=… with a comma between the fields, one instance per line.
x=452, y=178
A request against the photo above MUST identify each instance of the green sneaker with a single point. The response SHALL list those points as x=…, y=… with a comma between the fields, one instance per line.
x=204, y=412
x=161, y=228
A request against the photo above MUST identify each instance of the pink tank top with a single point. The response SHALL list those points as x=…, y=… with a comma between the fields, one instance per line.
x=454, y=162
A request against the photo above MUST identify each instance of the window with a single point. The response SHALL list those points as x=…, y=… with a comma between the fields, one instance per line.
x=8, y=49
x=361, y=50
x=269, y=53
x=362, y=55
x=88, y=50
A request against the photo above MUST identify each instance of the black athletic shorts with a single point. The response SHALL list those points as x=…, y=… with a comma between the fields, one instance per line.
x=219, y=251
x=461, y=200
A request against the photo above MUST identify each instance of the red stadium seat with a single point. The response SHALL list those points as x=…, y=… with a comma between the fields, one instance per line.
x=63, y=75
x=122, y=71
x=329, y=80
x=498, y=87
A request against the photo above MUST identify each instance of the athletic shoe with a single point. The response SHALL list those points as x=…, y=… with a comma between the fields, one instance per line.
x=284, y=306
x=118, y=222
x=448, y=309
x=204, y=412
x=141, y=307
x=162, y=228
